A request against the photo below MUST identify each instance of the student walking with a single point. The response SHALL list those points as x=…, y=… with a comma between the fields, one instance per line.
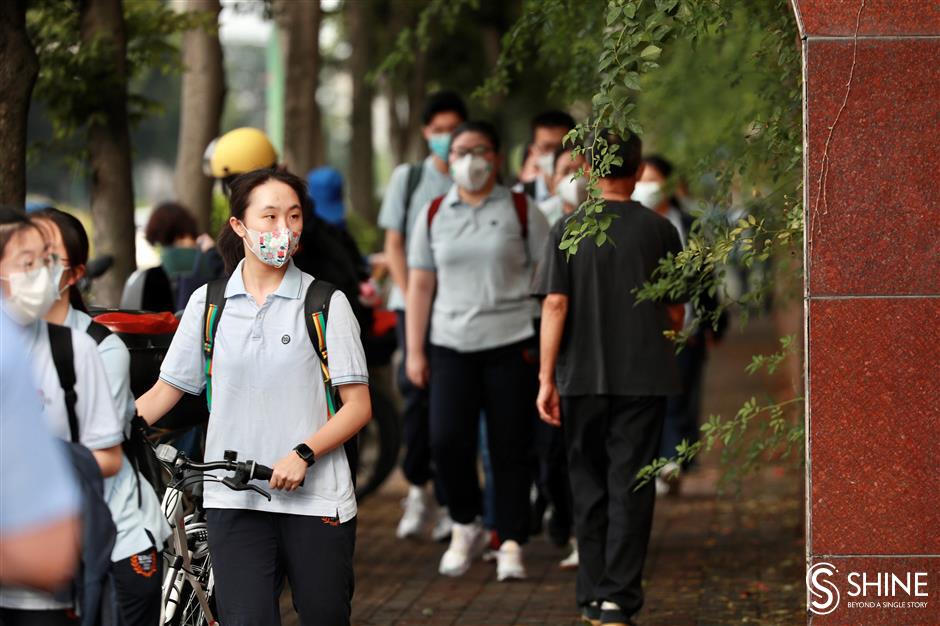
x=268, y=404
x=606, y=370
x=410, y=188
x=142, y=528
x=471, y=259
x=85, y=414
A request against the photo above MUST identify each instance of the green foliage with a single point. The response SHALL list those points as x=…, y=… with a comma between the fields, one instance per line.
x=75, y=79
x=758, y=432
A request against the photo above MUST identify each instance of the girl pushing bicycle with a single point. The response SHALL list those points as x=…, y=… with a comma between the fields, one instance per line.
x=252, y=351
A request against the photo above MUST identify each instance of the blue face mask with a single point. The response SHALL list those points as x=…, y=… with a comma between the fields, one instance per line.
x=439, y=145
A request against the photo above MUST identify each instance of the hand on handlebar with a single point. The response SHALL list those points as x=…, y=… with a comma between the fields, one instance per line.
x=289, y=472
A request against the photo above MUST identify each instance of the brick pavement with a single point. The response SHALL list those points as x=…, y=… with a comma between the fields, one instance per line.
x=714, y=559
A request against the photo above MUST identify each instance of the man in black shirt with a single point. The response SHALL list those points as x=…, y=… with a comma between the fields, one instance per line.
x=606, y=370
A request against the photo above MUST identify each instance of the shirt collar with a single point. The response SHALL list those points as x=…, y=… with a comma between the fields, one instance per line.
x=290, y=287
x=497, y=194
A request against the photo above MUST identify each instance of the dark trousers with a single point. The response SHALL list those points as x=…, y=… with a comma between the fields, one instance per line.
x=609, y=438
x=553, y=482
x=416, y=462
x=252, y=551
x=17, y=617
x=683, y=410
x=137, y=583
x=503, y=383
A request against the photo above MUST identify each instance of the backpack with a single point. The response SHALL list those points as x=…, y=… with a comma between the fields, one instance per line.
x=316, y=312
x=415, y=170
x=136, y=446
x=92, y=589
x=519, y=201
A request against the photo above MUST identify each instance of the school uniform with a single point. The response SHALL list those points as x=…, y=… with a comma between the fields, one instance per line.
x=268, y=396
x=482, y=348
x=142, y=527
x=99, y=427
x=399, y=213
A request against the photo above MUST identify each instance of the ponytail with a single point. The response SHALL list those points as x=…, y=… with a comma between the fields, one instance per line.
x=230, y=248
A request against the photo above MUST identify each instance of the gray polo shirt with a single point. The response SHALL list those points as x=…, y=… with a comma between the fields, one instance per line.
x=433, y=184
x=484, y=268
x=267, y=390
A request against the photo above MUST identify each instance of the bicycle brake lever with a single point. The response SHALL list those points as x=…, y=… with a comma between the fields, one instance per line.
x=261, y=491
x=236, y=485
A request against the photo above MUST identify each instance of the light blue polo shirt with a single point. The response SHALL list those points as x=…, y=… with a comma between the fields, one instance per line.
x=484, y=269
x=134, y=518
x=267, y=389
x=433, y=184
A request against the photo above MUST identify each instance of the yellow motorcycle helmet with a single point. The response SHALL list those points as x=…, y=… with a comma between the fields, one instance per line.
x=238, y=151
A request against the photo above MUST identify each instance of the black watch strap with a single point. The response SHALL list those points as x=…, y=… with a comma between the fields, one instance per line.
x=304, y=452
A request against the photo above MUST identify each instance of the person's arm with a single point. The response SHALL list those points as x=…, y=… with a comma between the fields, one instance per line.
x=676, y=313
x=396, y=259
x=349, y=420
x=421, y=286
x=109, y=460
x=43, y=557
x=554, y=313
x=158, y=401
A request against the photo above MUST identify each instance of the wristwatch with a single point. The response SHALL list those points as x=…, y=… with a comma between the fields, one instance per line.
x=304, y=452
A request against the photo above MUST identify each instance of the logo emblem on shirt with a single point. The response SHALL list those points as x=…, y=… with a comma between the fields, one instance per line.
x=285, y=339
x=144, y=564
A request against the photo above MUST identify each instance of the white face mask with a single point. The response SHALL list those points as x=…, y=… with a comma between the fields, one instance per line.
x=55, y=280
x=471, y=172
x=546, y=163
x=573, y=190
x=649, y=194
x=32, y=294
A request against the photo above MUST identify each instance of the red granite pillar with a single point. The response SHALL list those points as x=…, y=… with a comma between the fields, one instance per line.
x=872, y=291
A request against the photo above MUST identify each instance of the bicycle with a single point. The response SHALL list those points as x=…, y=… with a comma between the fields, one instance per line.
x=188, y=585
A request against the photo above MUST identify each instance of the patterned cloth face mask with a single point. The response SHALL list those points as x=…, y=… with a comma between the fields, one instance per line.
x=272, y=247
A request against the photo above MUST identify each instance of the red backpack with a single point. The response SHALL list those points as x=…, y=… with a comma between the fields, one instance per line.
x=519, y=201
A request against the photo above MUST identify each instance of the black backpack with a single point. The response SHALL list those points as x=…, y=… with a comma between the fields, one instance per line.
x=415, y=170
x=136, y=446
x=316, y=313
x=92, y=589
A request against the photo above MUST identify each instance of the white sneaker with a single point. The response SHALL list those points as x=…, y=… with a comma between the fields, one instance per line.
x=443, y=526
x=467, y=542
x=571, y=561
x=509, y=564
x=416, y=512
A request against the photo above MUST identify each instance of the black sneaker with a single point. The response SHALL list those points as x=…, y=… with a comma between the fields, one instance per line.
x=591, y=614
x=615, y=617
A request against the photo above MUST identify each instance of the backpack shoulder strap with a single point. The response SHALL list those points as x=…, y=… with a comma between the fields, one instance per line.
x=432, y=211
x=415, y=170
x=529, y=188
x=521, y=203
x=316, y=312
x=215, y=303
x=63, y=356
x=98, y=332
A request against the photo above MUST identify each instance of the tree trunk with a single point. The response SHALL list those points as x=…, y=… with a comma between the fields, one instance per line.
x=18, y=69
x=361, y=176
x=202, y=98
x=416, y=146
x=109, y=149
x=299, y=25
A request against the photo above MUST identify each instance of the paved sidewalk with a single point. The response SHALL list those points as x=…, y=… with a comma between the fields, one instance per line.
x=731, y=559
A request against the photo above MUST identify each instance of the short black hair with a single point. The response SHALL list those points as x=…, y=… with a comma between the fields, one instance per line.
x=630, y=151
x=478, y=126
x=168, y=222
x=659, y=163
x=552, y=119
x=443, y=102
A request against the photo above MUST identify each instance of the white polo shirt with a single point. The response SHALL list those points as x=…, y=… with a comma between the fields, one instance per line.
x=484, y=269
x=267, y=389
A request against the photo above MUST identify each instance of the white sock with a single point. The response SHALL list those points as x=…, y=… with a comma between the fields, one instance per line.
x=610, y=606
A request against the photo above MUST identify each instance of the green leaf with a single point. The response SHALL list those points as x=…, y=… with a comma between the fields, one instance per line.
x=651, y=53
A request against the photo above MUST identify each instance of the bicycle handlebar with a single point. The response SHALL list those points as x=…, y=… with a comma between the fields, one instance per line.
x=244, y=471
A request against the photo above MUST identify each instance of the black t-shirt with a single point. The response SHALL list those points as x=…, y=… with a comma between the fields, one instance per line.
x=612, y=345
